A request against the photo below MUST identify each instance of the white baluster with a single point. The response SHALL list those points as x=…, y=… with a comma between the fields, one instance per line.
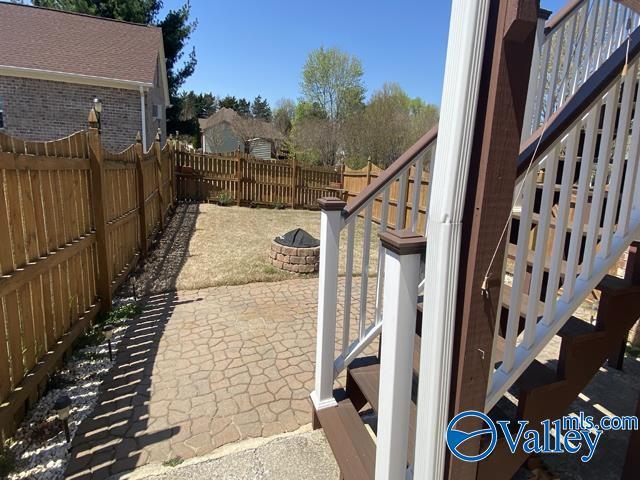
x=330, y=225
x=522, y=251
x=383, y=227
x=582, y=198
x=604, y=152
x=401, y=203
x=617, y=168
x=402, y=267
x=568, y=170
x=630, y=183
x=348, y=280
x=590, y=35
x=540, y=255
x=364, y=273
x=417, y=187
x=536, y=81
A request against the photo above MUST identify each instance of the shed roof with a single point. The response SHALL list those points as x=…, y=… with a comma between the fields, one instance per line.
x=247, y=128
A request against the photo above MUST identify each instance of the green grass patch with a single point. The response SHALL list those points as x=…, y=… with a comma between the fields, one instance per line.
x=173, y=462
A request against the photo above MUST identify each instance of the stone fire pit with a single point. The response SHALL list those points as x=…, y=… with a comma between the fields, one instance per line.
x=295, y=251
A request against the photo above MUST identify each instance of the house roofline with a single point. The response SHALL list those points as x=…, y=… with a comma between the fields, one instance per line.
x=9, y=71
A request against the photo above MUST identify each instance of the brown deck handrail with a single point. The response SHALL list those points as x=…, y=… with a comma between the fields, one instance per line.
x=394, y=169
x=561, y=14
x=576, y=105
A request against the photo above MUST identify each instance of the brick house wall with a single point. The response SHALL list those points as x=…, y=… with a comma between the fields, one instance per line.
x=37, y=109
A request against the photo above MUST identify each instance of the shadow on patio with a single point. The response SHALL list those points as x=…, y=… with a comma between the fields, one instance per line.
x=116, y=436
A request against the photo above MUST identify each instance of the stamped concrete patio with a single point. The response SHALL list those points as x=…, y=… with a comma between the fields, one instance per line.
x=200, y=369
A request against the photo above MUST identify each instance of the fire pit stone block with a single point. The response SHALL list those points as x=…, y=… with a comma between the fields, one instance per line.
x=292, y=259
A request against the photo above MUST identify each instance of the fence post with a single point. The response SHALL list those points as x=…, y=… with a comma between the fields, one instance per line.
x=142, y=214
x=172, y=168
x=368, y=172
x=330, y=222
x=401, y=271
x=294, y=182
x=159, y=180
x=239, y=177
x=103, y=277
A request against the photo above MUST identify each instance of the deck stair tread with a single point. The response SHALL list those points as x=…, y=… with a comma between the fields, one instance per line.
x=611, y=283
x=352, y=446
x=535, y=376
x=367, y=377
x=574, y=328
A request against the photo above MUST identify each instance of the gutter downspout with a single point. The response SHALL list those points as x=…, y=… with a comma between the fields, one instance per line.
x=465, y=52
x=143, y=116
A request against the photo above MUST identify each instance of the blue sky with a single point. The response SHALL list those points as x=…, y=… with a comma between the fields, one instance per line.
x=251, y=47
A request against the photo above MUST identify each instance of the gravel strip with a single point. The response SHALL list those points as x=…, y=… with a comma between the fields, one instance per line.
x=39, y=445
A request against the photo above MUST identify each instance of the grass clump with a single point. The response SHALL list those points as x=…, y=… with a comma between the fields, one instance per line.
x=224, y=198
x=172, y=462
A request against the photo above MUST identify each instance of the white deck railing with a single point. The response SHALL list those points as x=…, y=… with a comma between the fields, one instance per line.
x=596, y=210
x=568, y=49
x=362, y=286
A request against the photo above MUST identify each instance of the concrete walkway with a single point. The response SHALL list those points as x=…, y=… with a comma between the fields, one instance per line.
x=291, y=457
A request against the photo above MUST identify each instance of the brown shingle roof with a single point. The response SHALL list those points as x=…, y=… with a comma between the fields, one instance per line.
x=248, y=128
x=55, y=41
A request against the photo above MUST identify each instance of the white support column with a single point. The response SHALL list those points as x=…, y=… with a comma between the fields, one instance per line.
x=465, y=50
x=330, y=224
x=402, y=267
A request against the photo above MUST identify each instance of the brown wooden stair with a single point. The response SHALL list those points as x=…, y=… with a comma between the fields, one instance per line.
x=584, y=349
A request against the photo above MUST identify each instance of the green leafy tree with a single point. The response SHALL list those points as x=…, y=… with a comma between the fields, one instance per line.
x=284, y=114
x=332, y=79
x=260, y=109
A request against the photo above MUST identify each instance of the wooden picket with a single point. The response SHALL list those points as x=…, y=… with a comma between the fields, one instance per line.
x=70, y=232
x=251, y=181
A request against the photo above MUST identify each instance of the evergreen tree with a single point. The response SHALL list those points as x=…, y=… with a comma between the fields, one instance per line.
x=261, y=109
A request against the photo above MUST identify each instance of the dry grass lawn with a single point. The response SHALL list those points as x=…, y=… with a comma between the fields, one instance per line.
x=230, y=246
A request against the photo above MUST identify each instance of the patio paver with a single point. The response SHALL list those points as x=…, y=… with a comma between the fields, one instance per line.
x=200, y=369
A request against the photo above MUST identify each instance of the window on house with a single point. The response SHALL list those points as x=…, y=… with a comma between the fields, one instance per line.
x=1, y=114
x=156, y=112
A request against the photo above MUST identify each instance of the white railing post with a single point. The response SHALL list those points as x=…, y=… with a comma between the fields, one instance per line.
x=330, y=224
x=402, y=268
x=536, y=77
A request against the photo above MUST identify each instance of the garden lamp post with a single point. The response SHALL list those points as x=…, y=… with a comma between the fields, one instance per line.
x=62, y=407
x=97, y=106
x=108, y=333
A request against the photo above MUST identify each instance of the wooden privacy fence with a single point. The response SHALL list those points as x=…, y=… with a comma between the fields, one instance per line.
x=355, y=181
x=74, y=220
x=250, y=181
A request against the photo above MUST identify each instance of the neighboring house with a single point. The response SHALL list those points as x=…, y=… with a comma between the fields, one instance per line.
x=226, y=131
x=53, y=64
